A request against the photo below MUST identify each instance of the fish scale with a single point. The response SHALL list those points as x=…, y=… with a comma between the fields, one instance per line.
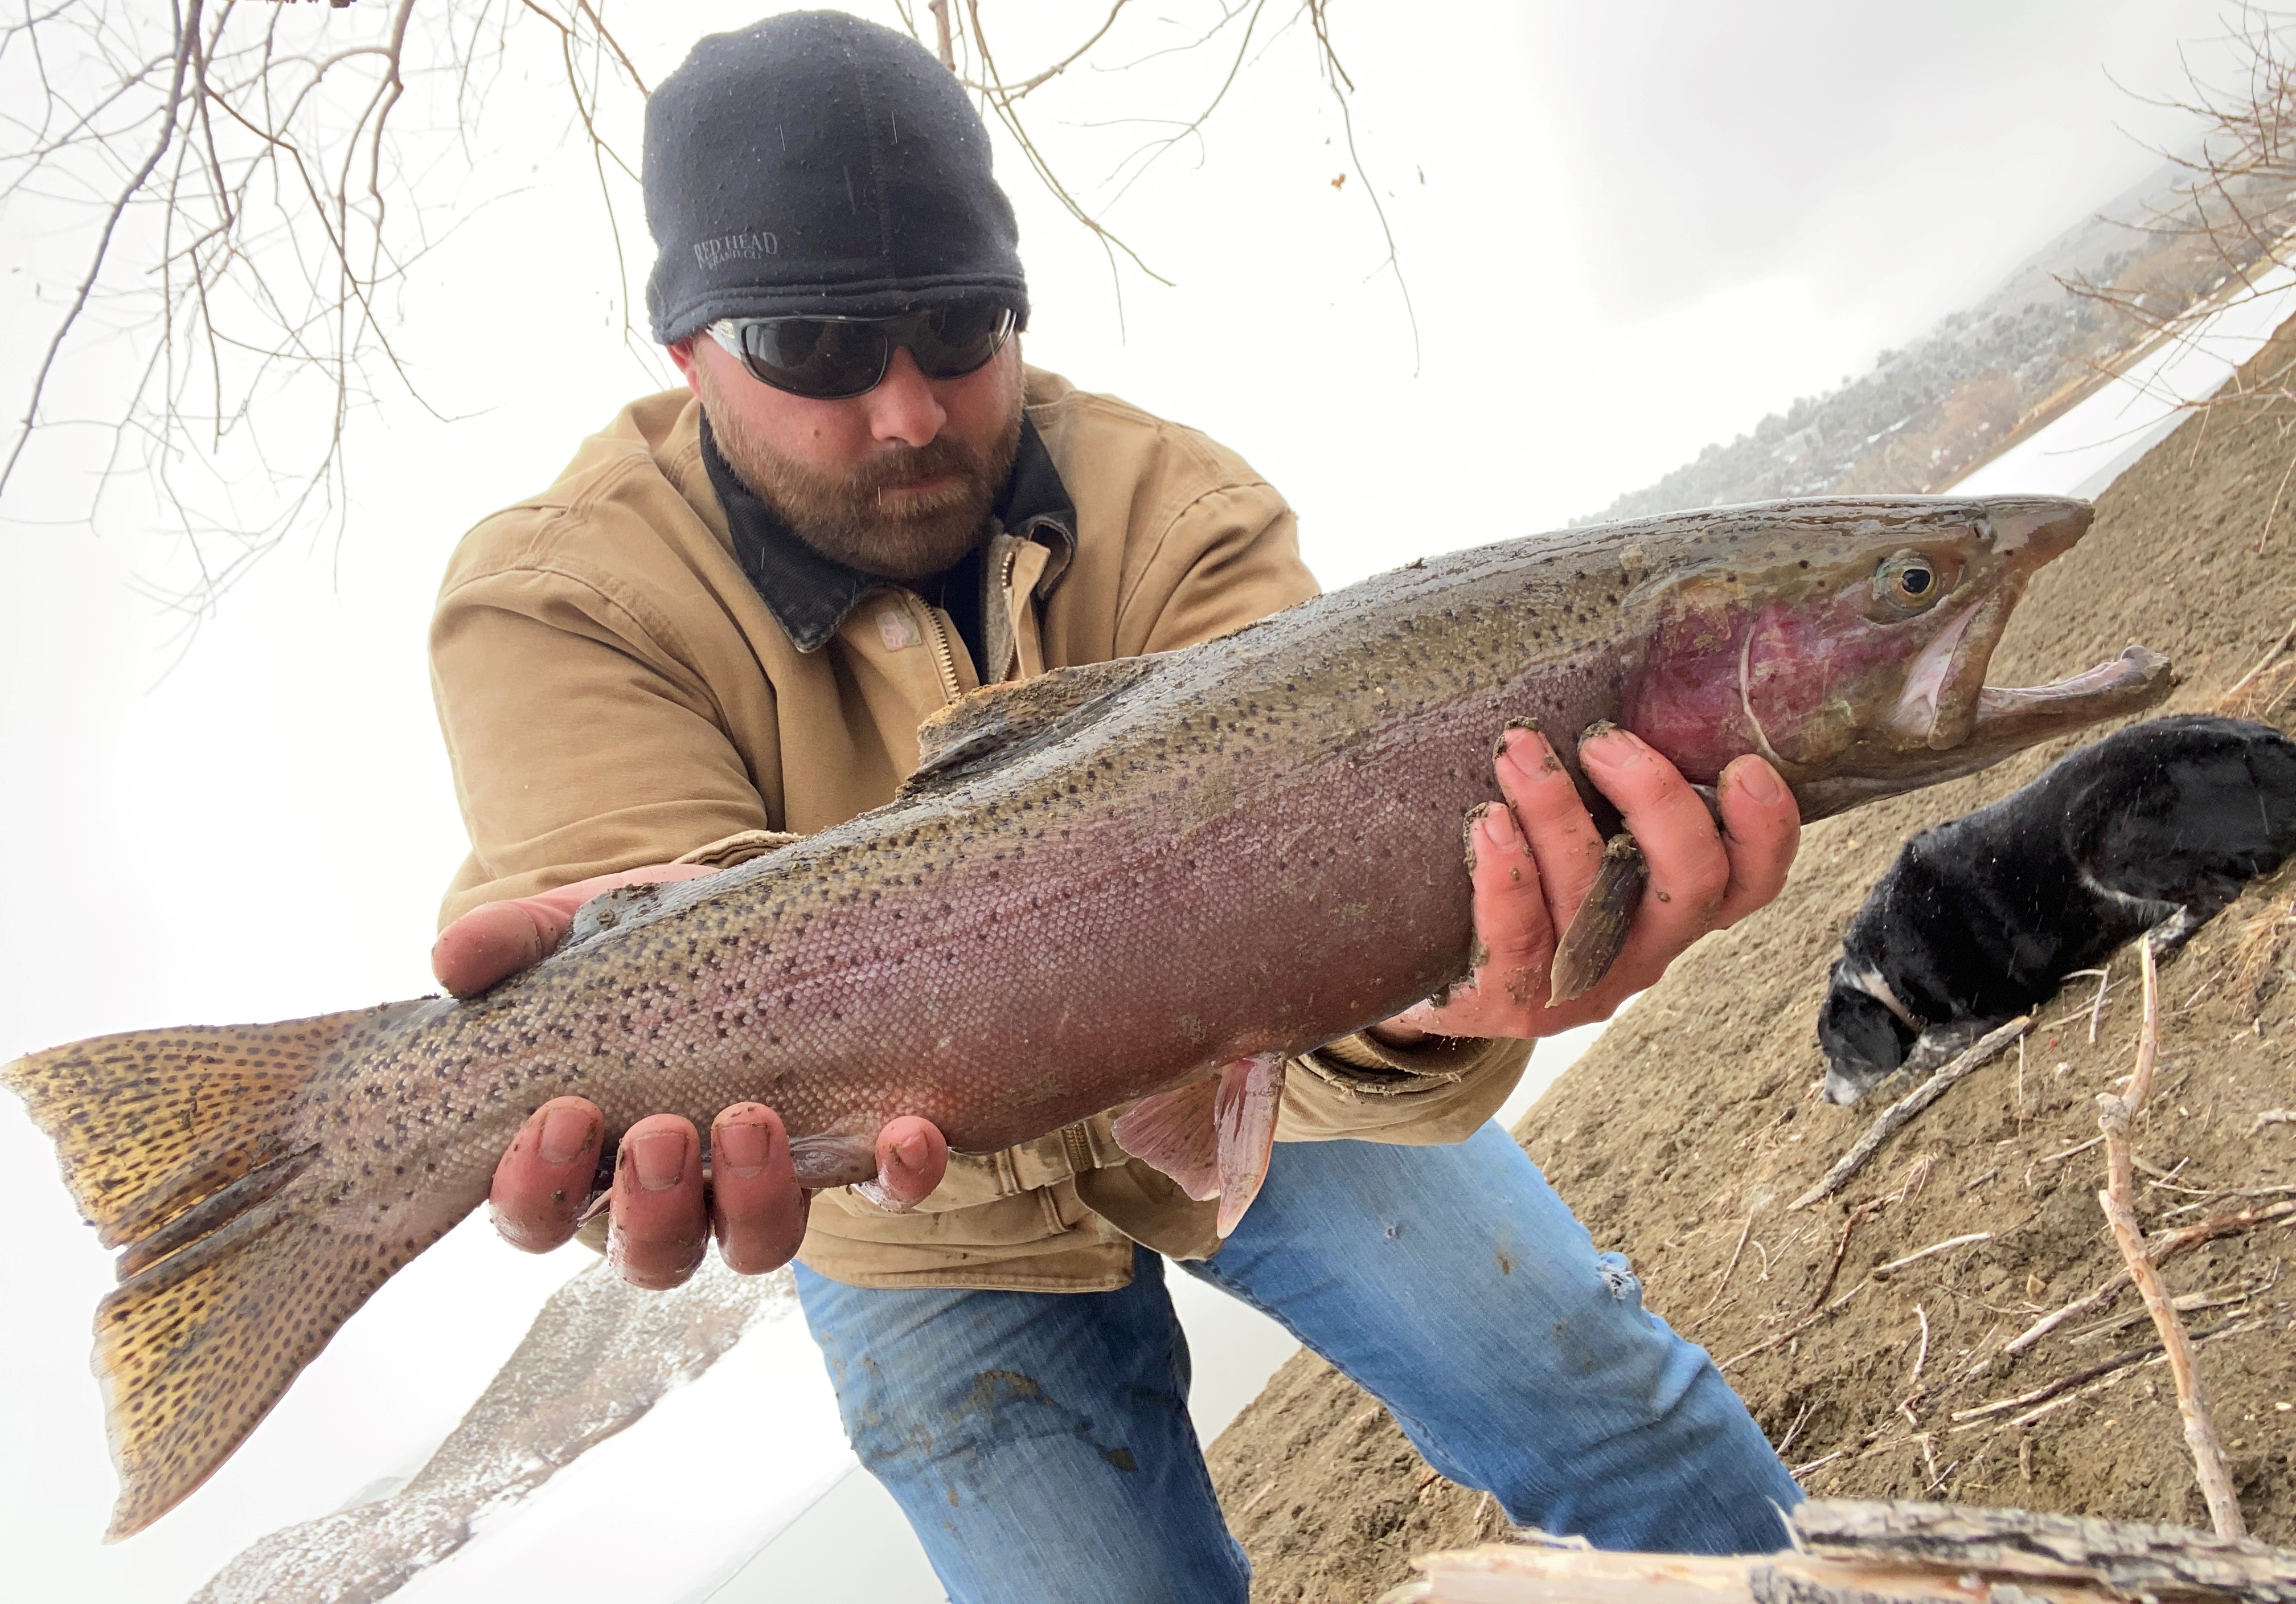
x=1144, y=883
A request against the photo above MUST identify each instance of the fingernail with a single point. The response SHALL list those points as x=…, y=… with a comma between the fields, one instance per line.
x=565, y=1132
x=1758, y=780
x=660, y=1157
x=1498, y=824
x=1529, y=749
x=741, y=1149
x=910, y=1153
x=1620, y=746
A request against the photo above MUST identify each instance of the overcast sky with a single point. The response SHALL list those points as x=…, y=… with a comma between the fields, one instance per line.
x=1625, y=231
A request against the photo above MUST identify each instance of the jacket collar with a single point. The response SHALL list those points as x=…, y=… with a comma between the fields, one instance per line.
x=809, y=595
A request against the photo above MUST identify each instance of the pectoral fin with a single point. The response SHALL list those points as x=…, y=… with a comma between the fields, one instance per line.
x=1212, y=1137
x=1251, y=1093
x=1173, y=1132
x=1598, y=929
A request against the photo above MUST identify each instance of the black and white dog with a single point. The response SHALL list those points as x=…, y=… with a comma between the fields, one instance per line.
x=1982, y=919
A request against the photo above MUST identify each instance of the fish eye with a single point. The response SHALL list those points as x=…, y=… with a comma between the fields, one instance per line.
x=1907, y=582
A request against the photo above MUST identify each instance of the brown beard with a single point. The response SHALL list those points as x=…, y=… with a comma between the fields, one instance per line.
x=840, y=515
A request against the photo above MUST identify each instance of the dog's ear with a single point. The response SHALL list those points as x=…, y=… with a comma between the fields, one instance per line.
x=1864, y=1042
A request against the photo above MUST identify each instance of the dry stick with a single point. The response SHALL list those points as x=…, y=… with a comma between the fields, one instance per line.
x=2083, y=1377
x=2245, y=680
x=2097, y=1008
x=1883, y=1272
x=1795, y=1329
x=2208, y=1198
x=1899, y=1114
x=1727, y=1270
x=1794, y=1430
x=2121, y=1212
x=2020, y=1422
x=2163, y=1249
x=1857, y=1217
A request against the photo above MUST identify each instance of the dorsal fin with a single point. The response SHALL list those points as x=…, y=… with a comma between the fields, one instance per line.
x=611, y=908
x=998, y=722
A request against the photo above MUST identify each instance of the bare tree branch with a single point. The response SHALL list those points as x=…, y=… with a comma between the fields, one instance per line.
x=187, y=45
x=256, y=184
x=278, y=197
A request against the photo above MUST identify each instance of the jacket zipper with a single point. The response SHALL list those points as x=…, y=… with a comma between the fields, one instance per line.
x=1012, y=665
x=943, y=657
x=1080, y=1146
x=942, y=653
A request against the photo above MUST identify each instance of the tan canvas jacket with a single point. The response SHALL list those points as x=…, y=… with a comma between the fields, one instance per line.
x=614, y=692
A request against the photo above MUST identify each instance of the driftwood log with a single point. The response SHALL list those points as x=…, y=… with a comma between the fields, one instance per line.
x=1851, y=1551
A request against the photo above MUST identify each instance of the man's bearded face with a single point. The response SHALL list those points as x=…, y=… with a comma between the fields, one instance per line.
x=902, y=512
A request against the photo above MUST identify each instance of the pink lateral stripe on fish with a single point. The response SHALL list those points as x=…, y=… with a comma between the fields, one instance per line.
x=1226, y=854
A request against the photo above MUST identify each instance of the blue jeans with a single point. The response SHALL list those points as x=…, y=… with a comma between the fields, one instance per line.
x=1040, y=1445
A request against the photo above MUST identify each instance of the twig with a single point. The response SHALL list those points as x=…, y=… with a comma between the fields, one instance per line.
x=1883, y=1272
x=1796, y=1329
x=2021, y=1421
x=2172, y=1246
x=1899, y=1114
x=1794, y=1430
x=2191, y=1302
x=2062, y=1384
x=187, y=48
x=2071, y=1152
x=1857, y=1217
x=1921, y=1357
x=2272, y=1116
x=2121, y=1212
x=2163, y=1249
x=2245, y=680
x=1727, y=1270
x=2097, y=1008
x=2208, y=1198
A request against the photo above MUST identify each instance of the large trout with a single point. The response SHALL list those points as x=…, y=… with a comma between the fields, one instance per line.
x=1137, y=880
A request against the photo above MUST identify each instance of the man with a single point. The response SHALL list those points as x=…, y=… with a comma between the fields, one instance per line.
x=719, y=630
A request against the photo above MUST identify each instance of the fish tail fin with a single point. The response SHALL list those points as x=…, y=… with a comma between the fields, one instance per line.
x=180, y=1145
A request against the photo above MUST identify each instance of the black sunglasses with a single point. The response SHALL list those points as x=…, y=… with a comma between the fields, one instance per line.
x=831, y=358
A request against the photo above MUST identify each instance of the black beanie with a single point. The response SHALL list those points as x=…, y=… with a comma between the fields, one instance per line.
x=815, y=163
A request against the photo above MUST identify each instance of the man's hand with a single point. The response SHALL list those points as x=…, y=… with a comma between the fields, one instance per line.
x=664, y=1209
x=494, y=941
x=1536, y=854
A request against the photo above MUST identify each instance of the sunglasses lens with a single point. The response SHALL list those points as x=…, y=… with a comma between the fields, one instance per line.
x=831, y=359
x=955, y=339
x=816, y=356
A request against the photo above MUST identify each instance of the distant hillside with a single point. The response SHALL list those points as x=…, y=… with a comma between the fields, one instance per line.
x=1985, y=376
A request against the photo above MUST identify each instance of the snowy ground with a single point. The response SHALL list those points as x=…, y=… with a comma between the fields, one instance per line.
x=2089, y=447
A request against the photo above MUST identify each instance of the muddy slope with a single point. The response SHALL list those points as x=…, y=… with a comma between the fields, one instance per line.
x=1696, y=1116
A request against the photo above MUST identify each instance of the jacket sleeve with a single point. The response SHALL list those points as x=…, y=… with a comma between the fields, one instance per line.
x=1229, y=557
x=582, y=742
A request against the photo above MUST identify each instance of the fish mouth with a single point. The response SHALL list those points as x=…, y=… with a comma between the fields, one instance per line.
x=1944, y=705
x=2003, y=720
x=2020, y=715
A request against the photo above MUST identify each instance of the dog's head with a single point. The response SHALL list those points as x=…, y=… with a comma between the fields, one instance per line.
x=1863, y=1040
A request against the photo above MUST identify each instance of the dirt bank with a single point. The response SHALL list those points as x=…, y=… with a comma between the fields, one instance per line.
x=1696, y=1114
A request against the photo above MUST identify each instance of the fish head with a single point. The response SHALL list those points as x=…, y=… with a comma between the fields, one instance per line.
x=1847, y=642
